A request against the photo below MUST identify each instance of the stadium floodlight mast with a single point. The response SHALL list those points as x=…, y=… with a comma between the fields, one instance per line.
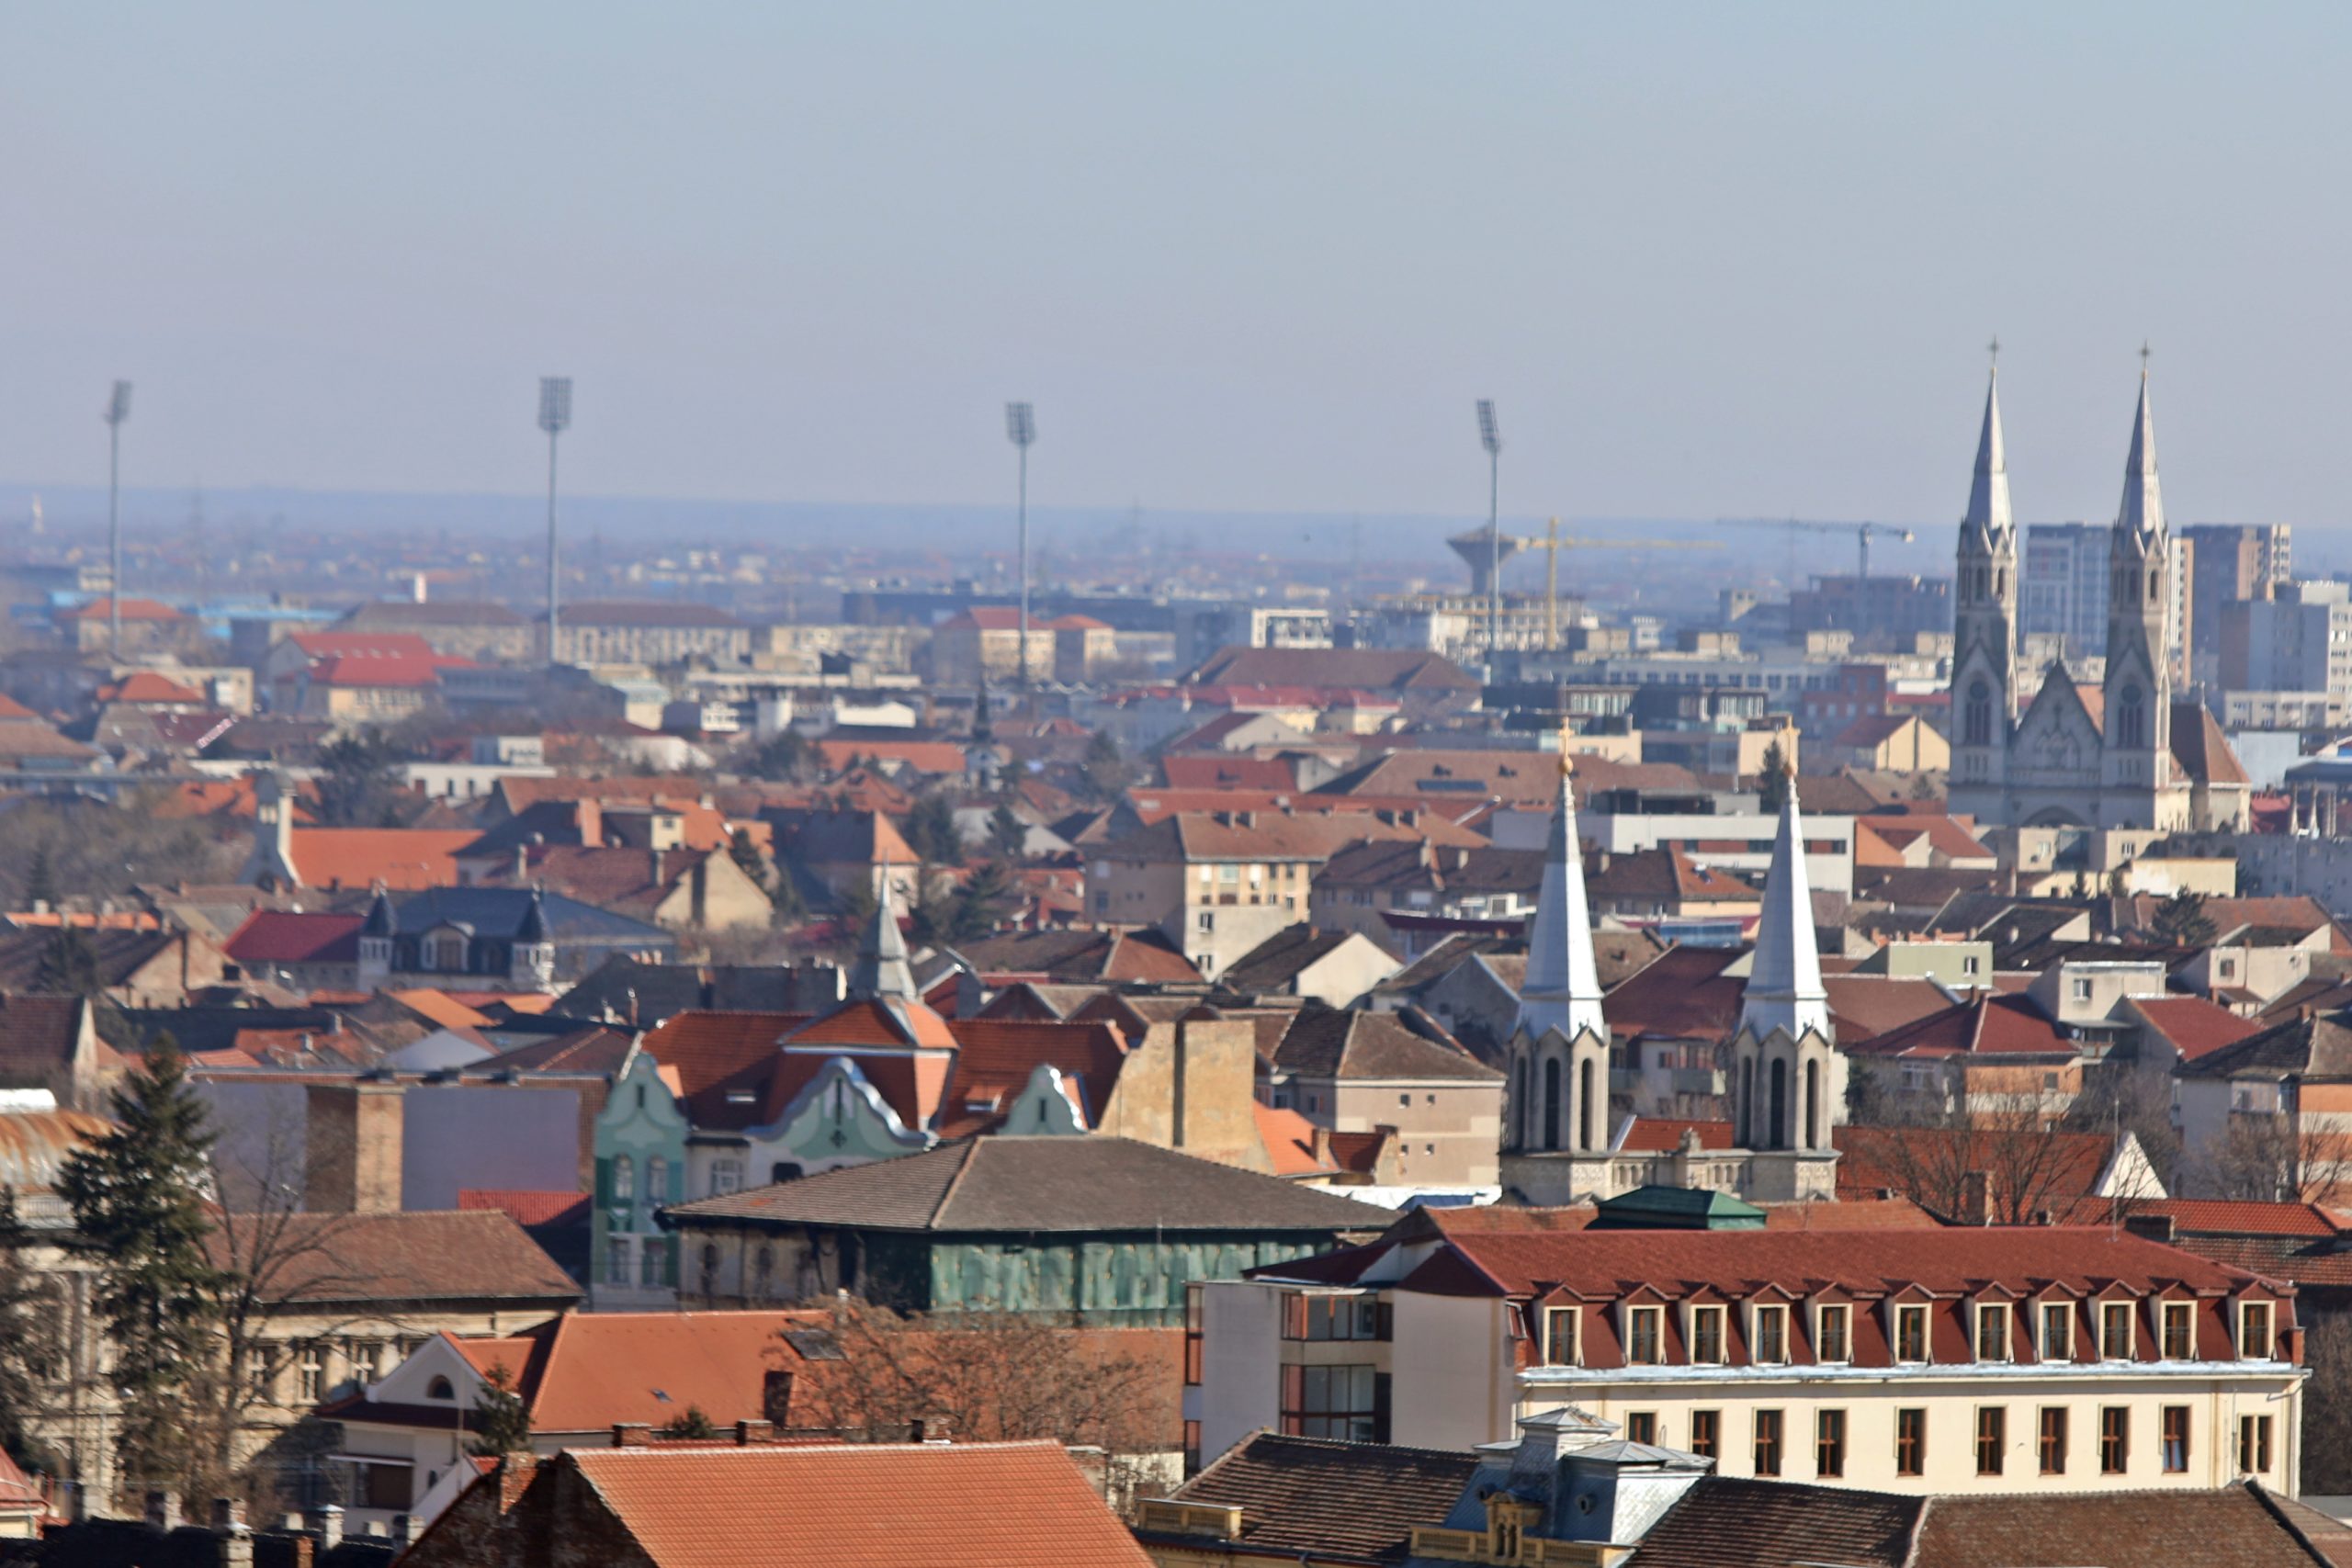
x=1490, y=437
x=118, y=409
x=554, y=414
x=1020, y=429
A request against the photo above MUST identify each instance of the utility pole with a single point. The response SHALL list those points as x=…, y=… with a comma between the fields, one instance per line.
x=554, y=414
x=118, y=409
x=1490, y=437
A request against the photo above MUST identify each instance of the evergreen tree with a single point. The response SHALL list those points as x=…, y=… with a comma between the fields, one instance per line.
x=41, y=879
x=1107, y=771
x=358, y=784
x=1772, y=779
x=2183, y=920
x=931, y=831
x=692, y=1424
x=746, y=855
x=1007, y=832
x=138, y=1196
x=501, y=1423
x=69, y=964
x=28, y=1336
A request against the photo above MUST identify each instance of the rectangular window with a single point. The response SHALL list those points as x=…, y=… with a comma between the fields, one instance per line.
x=1641, y=1426
x=313, y=1378
x=2114, y=1439
x=1706, y=1426
x=2052, y=1439
x=1192, y=1346
x=2254, y=1444
x=1772, y=1336
x=654, y=1259
x=1192, y=1447
x=1560, y=1335
x=1992, y=1438
x=618, y=1265
x=1833, y=1339
x=726, y=1175
x=1830, y=1443
x=1332, y=1402
x=1707, y=1335
x=2057, y=1332
x=1911, y=1442
x=1993, y=1333
x=1319, y=1318
x=2115, y=1331
x=1910, y=1334
x=1643, y=1346
x=2172, y=1433
x=2254, y=1332
x=1767, y=1442
x=2181, y=1337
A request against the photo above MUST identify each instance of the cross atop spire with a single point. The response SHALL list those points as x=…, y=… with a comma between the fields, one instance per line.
x=1994, y=348
x=1784, y=988
x=1562, y=988
x=2141, y=514
x=1988, y=491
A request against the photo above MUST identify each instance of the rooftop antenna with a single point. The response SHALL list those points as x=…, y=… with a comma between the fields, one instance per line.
x=1020, y=429
x=555, y=416
x=118, y=409
x=1490, y=437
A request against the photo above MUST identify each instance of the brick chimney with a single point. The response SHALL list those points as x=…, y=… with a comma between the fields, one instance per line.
x=749, y=1432
x=631, y=1434
x=326, y=1521
x=1976, y=1198
x=352, y=1148
x=163, y=1510
x=1322, y=1143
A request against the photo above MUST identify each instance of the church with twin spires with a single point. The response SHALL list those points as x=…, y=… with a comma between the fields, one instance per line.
x=2125, y=753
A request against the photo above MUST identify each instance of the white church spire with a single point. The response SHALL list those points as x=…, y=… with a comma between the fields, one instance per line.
x=2142, y=515
x=1784, y=983
x=1988, y=493
x=1562, y=989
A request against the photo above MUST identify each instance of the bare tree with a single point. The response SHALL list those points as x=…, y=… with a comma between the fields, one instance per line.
x=991, y=1377
x=2327, y=1405
x=1987, y=1159
x=2274, y=1160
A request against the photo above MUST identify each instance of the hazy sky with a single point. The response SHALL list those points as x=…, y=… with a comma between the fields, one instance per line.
x=1710, y=259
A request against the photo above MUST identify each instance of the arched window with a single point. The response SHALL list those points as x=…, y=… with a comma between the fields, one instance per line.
x=1746, y=1103
x=657, y=1181
x=623, y=1179
x=1776, y=1126
x=439, y=1389
x=1519, y=1103
x=2130, y=718
x=2155, y=583
x=710, y=1268
x=2000, y=582
x=1977, y=727
x=1814, y=1133
x=763, y=1271
x=1587, y=1107
x=1552, y=1103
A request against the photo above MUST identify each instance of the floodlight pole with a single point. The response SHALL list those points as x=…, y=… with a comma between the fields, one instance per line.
x=1490, y=437
x=1020, y=429
x=118, y=409
x=555, y=413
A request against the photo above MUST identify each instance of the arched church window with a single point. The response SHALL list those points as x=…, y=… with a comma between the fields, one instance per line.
x=2155, y=582
x=1976, y=726
x=2000, y=582
x=1552, y=1103
x=2130, y=718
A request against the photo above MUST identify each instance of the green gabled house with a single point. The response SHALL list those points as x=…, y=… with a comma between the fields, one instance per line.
x=1097, y=1230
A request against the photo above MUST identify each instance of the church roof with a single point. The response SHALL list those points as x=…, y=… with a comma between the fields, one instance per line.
x=1988, y=493
x=2200, y=748
x=2142, y=515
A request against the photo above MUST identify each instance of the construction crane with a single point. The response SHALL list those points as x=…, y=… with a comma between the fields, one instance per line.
x=1862, y=533
x=1478, y=549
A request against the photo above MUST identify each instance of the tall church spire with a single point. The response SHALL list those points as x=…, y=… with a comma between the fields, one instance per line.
x=883, y=974
x=1988, y=493
x=1784, y=988
x=2143, y=513
x=1562, y=989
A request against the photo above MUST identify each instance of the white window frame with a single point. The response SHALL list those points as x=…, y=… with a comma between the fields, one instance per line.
x=1756, y=1334
x=1632, y=1315
x=1555, y=1321
x=2002, y=1313
x=2266, y=1348
x=2064, y=1352
x=1927, y=1335
x=2130, y=1311
x=1723, y=1336
x=1820, y=1321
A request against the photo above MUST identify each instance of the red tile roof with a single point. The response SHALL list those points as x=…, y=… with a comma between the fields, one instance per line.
x=147, y=686
x=1987, y=1023
x=528, y=1208
x=402, y=859
x=2192, y=1024
x=288, y=936
x=705, y=1047
x=942, y=757
x=862, y=1506
x=1271, y=773
x=133, y=610
x=2219, y=1217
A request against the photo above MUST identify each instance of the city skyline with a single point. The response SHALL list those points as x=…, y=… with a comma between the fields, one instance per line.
x=334, y=254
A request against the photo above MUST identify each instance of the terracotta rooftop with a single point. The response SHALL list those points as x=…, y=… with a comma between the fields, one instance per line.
x=413, y=1255
x=1315, y=1499
x=402, y=859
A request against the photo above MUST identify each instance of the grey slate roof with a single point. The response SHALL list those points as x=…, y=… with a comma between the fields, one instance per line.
x=1034, y=1184
x=506, y=912
x=1331, y=1043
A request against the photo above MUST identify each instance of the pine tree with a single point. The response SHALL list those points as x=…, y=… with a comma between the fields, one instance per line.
x=40, y=880
x=68, y=965
x=501, y=1423
x=1773, y=779
x=28, y=1336
x=692, y=1424
x=1007, y=833
x=747, y=857
x=138, y=1196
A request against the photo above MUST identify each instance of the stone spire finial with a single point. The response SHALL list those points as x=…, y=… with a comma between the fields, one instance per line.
x=2142, y=515
x=1784, y=988
x=1562, y=989
x=1988, y=493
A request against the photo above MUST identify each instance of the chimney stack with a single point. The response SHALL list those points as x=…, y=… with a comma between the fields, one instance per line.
x=327, y=1520
x=631, y=1434
x=164, y=1511
x=749, y=1432
x=1976, y=1198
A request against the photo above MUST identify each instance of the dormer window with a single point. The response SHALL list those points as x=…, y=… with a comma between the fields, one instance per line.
x=2115, y=1331
x=1993, y=1333
x=1772, y=1336
x=2255, y=1342
x=1707, y=1335
x=2057, y=1332
x=1833, y=1342
x=2180, y=1331
x=1910, y=1333
x=439, y=1388
x=1644, y=1335
x=1560, y=1335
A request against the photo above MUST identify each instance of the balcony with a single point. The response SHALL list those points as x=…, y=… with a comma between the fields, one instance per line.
x=1697, y=1080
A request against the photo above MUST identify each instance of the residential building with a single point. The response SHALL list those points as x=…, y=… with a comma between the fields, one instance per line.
x=477, y=631
x=1399, y=1074
x=2042, y=1359
x=495, y=939
x=1205, y=626
x=1103, y=1229
x=1334, y=967
x=2233, y=562
x=986, y=644
x=2064, y=587
x=149, y=627
x=2295, y=638
x=1361, y=885
x=803, y=1506
x=679, y=890
x=650, y=633
x=2274, y=1108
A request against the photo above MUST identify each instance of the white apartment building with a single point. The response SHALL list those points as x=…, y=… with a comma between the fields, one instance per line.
x=2042, y=1359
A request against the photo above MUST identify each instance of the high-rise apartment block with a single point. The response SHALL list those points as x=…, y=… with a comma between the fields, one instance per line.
x=2232, y=562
